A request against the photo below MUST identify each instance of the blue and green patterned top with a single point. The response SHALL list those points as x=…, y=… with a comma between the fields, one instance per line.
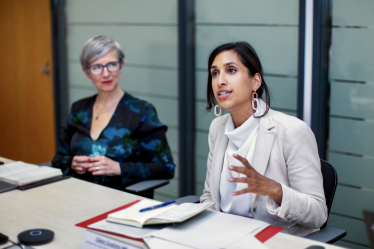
x=134, y=137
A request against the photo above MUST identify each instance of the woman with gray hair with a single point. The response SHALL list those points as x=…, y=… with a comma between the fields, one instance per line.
x=112, y=138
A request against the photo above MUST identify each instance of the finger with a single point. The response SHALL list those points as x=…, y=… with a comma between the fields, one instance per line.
x=81, y=159
x=80, y=172
x=240, y=192
x=241, y=179
x=240, y=170
x=99, y=172
x=95, y=168
x=95, y=159
x=78, y=159
x=94, y=165
x=79, y=165
x=243, y=161
x=90, y=169
x=86, y=165
x=74, y=166
x=95, y=162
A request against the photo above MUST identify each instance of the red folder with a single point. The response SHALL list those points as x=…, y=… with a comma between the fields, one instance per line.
x=103, y=216
x=268, y=232
x=262, y=236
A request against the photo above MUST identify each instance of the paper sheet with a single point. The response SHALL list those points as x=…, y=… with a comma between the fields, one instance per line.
x=130, y=231
x=210, y=229
x=156, y=243
x=248, y=241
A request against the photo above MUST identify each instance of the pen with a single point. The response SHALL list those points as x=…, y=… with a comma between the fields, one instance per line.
x=157, y=206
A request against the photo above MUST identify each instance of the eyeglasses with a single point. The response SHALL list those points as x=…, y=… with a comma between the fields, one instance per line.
x=113, y=66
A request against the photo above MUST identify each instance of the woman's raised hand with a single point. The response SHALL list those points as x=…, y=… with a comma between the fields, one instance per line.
x=257, y=183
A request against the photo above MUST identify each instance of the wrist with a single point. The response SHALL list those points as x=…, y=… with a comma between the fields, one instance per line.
x=118, y=171
x=276, y=192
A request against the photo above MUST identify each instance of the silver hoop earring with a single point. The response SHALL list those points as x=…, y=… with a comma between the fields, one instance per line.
x=255, y=99
x=215, y=111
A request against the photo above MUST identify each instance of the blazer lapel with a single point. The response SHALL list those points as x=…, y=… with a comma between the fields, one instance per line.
x=264, y=144
x=218, y=156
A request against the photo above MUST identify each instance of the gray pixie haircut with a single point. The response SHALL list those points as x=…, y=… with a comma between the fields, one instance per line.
x=97, y=47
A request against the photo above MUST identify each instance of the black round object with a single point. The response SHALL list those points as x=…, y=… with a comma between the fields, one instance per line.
x=35, y=237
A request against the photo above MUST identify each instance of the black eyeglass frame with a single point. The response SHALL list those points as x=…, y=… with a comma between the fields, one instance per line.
x=106, y=65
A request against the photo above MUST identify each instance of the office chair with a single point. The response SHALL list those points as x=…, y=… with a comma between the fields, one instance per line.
x=146, y=188
x=143, y=188
x=330, y=181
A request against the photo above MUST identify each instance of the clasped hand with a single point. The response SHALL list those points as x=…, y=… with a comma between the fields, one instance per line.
x=257, y=183
x=97, y=165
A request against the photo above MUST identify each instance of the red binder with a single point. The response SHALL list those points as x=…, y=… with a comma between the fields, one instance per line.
x=262, y=236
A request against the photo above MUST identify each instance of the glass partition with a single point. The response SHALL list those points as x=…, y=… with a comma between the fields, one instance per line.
x=148, y=33
x=271, y=27
x=351, y=131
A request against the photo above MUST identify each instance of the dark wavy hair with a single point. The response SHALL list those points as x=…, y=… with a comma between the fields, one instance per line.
x=250, y=60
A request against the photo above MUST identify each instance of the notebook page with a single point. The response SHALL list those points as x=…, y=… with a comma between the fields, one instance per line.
x=11, y=168
x=132, y=213
x=43, y=170
x=182, y=211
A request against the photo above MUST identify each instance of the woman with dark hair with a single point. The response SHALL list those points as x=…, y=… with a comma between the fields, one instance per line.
x=262, y=163
x=112, y=138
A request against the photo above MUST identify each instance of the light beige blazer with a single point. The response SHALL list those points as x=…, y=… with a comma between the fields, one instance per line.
x=286, y=151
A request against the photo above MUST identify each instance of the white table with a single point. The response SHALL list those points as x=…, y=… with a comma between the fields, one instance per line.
x=59, y=206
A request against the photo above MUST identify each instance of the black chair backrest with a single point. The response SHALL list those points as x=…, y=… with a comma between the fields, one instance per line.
x=330, y=181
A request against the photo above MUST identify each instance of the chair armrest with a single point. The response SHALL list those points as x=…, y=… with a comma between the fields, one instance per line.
x=327, y=235
x=46, y=164
x=146, y=185
x=188, y=198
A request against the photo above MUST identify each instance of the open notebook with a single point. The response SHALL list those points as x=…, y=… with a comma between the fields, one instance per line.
x=169, y=214
x=20, y=173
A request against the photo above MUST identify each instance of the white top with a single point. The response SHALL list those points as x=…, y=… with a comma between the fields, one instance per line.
x=242, y=141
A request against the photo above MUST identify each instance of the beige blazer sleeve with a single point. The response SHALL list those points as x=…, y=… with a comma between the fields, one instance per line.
x=207, y=196
x=303, y=199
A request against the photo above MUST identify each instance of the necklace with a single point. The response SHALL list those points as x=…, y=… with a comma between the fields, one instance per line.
x=103, y=109
x=106, y=108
